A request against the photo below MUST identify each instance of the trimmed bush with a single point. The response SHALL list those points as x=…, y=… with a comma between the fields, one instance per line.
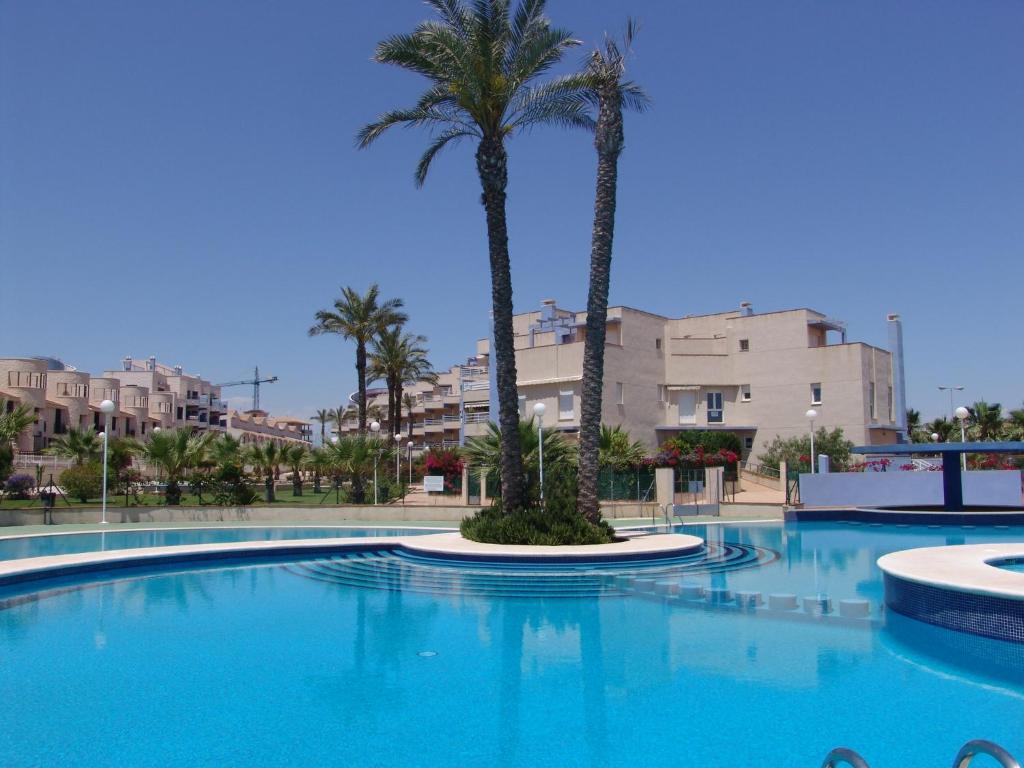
x=712, y=441
x=82, y=482
x=536, y=525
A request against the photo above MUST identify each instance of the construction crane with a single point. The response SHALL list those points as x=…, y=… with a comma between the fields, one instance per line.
x=255, y=381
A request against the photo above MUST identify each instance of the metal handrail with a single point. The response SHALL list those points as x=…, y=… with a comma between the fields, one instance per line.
x=844, y=755
x=976, y=747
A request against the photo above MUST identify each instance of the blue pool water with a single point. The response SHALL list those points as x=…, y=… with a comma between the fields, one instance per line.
x=67, y=544
x=387, y=659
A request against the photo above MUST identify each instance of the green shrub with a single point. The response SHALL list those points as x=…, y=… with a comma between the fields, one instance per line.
x=796, y=451
x=536, y=525
x=82, y=482
x=230, y=488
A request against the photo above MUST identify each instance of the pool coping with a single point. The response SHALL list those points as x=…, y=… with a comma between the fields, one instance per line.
x=447, y=546
x=232, y=526
x=960, y=568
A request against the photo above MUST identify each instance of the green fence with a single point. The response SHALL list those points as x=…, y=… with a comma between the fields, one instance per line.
x=626, y=484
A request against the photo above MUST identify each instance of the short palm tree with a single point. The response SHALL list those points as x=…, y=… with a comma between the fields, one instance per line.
x=80, y=445
x=914, y=426
x=359, y=318
x=483, y=454
x=13, y=421
x=397, y=359
x=482, y=62
x=409, y=401
x=605, y=69
x=325, y=417
x=318, y=461
x=175, y=452
x=986, y=419
x=355, y=457
x=617, y=450
x=294, y=457
x=942, y=427
x=1015, y=424
x=265, y=458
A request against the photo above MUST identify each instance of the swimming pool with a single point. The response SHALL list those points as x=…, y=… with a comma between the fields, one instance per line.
x=404, y=663
x=70, y=543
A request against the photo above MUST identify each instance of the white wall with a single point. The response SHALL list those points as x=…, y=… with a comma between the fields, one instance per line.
x=851, y=489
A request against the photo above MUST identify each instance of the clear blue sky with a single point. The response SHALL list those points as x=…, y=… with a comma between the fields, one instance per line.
x=179, y=179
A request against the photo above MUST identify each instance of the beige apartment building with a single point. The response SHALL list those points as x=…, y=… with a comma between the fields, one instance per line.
x=755, y=375
x=147, y=396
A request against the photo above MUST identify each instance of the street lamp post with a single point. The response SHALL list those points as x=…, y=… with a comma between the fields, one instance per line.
x=951, y=389
x=408, y=460
x=963, y=414
x=538, y=410
x=812, y=415
x=398, y=459
x=375, y=428
x=935, y=437
x=334, y=478
x=107, y=408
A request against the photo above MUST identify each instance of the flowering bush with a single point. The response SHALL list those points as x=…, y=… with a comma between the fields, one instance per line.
x=18, y=486
x=873, y=465
x=990, y=461
x=446, y=462
x=671, y=455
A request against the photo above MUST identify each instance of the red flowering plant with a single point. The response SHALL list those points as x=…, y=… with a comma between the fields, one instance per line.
x=990, y=461
x=872, y=465
x=446, y=462
x=671, y=455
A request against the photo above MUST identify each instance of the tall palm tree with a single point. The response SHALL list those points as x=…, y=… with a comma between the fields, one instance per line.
x=265, y=457
x=359, y=318
x=605, y=68
x=482, y=62
x=986, y=419
x=176, y=451
x=80, y=445
x=398, y=359
x=409, y=401
x=323, y=415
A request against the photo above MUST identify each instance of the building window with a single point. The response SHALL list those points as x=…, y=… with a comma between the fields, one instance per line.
x=748, y=443
x=620, y=394
x=687, y=404
x=744, y=345
x=745, y=393
x=657, y=343
x=715, y=412
x=871, y=400
x=522, y=406
x=816, y=394
x=565, y=405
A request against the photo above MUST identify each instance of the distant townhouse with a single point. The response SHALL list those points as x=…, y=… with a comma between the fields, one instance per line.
x=755, y=375
x=147, y=395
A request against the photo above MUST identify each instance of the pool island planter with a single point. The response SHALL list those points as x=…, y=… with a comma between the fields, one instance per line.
x=31, y=572
x=959, y=587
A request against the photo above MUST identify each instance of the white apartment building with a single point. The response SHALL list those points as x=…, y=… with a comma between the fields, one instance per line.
x=752, y=374
x=251, y=427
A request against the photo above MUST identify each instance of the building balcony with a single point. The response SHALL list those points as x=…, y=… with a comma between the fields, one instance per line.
x=451, y=422
x=433, y=426
x=477, y=417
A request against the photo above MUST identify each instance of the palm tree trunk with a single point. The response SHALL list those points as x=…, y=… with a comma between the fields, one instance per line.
x=391, y=400
x=608, y=140
x=361, y=376
x=398, y=408
x=492, y=167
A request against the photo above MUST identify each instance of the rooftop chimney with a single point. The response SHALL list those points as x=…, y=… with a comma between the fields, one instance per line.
x=151, y=363
x=177, y=370
x=126, y=363
x=746, y=309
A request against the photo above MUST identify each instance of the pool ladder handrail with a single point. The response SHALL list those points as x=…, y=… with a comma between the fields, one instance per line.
x=976, y=747
x=841, y=755
x=964, y=757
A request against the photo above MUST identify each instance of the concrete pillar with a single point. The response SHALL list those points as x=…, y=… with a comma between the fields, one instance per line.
x=484, y=501
x=714, y=484
x=664, y=483
x=465, y=485
x=823, y=464
x=783, y=471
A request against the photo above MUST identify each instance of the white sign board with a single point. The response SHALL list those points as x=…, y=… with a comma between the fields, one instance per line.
x=433, y=483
